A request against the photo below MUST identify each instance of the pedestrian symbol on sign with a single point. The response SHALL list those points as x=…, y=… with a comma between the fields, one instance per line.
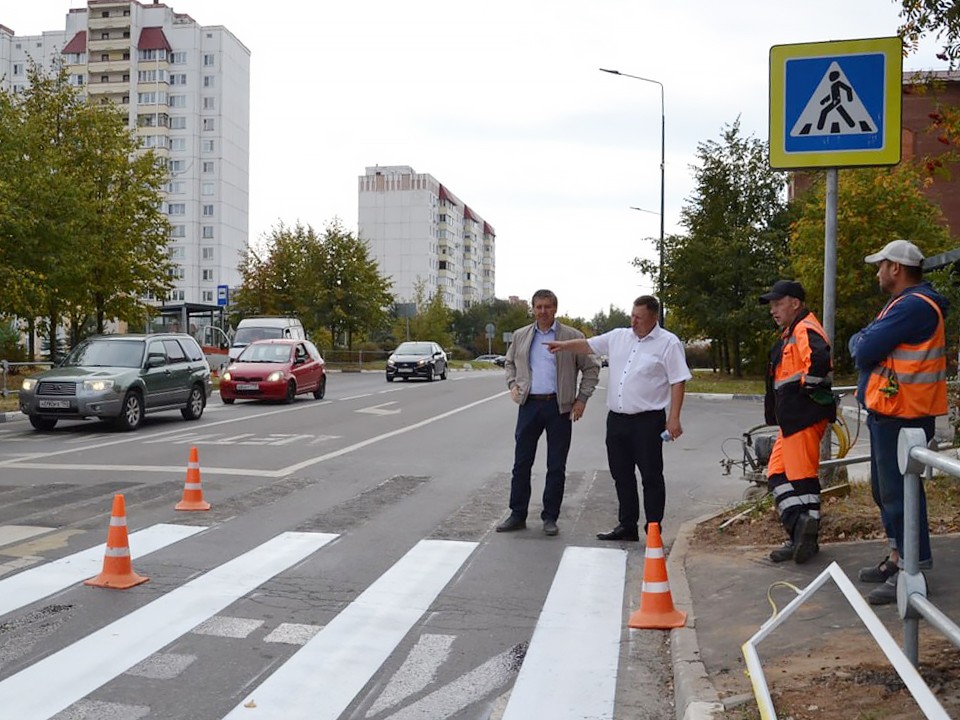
x=834, y=109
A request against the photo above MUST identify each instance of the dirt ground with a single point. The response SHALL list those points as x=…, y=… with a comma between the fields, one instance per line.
x=856, y=675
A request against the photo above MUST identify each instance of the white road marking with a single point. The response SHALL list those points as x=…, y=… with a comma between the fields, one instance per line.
x=162, y=666
x=10, y=534
x=32, y=585
x=355, y=397
x=97, y=710
x=293, y=633
x=380, y=409
x=418, y=671
x=324, y=676
x=570, y=670
x=229, y=627
x=245, y=472
x=87, y=664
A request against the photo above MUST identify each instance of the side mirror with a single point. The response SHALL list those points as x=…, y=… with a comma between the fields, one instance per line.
x=156, y=360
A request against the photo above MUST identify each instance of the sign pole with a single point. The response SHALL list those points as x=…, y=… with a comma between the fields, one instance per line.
x=830, y=280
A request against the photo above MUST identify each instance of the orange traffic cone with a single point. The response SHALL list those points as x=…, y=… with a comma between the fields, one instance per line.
x=656, y=603
x=192, y=492
x=117, y=570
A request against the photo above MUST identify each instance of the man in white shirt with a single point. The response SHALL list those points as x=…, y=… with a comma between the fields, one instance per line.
x=647, y=373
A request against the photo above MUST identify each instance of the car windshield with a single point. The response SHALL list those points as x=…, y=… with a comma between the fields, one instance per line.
x=247, y=335
x=266, y=352
x=106, y=353
x=414, y=348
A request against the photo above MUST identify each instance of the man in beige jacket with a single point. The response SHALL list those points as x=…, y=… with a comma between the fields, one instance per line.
x=546, y=388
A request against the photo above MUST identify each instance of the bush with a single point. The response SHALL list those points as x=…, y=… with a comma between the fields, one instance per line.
x=10, y=348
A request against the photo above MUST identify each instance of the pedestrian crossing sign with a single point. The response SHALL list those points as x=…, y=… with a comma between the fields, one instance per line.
x=835, y=104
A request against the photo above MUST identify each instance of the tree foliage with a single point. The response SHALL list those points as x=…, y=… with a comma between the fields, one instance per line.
x=874, y=206
x=939, y=17
x=82, y=234
x=734, y=248
x=329, y=281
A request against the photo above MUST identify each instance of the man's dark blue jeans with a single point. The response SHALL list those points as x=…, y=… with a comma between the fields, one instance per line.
x=535, y=417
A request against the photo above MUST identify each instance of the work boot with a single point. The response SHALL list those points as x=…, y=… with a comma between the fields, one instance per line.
x=878, y=573
x=784, y=552
x=805, y=538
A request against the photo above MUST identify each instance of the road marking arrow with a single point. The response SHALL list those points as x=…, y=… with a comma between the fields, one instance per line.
x=380, y=409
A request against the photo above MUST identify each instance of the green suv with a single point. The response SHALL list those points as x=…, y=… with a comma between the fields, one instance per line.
x=120, y=378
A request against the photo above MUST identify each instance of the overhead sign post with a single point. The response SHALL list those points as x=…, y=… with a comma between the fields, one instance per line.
x=835, y=104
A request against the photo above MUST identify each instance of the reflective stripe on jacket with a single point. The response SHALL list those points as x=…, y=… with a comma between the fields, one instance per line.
x=911, y=381
x=799, y=365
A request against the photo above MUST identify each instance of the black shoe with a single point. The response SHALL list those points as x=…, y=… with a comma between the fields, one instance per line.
x=805, y=538
x=784, y=552
x=550, y=527
x=878, y=573
x=512, y=523
x=620, y=533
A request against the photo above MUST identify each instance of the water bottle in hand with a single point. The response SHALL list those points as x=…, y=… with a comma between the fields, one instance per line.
x=666, y=436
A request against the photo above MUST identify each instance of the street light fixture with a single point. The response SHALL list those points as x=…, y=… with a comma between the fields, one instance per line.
x=663, y=159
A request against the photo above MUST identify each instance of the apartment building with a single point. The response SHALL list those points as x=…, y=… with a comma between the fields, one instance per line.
x=186, y=90
x=419, y=231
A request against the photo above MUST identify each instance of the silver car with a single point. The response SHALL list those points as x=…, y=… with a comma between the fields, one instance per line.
x=120, y=378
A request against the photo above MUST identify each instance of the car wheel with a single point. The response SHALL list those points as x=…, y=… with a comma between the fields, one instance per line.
x=430, y=373
x=131, y=413
x=227, y=401
x=291, y=392
x=321, y=389
x=443, y=375
x=42, y=423
x=389, y=378
x=195, y=404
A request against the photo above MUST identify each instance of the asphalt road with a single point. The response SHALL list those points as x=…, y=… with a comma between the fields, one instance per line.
x=348, y=567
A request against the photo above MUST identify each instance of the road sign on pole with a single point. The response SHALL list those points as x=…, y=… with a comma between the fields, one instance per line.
x=836, y=104
x=223, y=295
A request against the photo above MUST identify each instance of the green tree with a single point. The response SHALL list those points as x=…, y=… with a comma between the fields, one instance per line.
x=605, y=321
x=940, y=17
x=433, y=319
x=874, y=206
x=733, y=248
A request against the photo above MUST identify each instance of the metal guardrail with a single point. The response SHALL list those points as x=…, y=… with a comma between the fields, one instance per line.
x=5, y=371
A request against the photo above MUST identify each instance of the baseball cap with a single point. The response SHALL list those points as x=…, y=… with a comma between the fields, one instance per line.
x=784, y=288
x=898, y=251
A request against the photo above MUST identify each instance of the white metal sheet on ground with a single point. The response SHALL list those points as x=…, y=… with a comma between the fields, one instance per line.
x=29, y=586
x=570, y=670
x=87, y=664
x=325, y=675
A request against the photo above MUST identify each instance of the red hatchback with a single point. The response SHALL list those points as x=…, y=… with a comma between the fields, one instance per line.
x=274, y=370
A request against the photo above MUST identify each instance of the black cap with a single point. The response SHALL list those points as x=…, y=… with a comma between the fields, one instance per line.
x=784, y=288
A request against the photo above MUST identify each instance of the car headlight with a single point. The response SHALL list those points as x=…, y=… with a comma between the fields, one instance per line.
x=28, y=384
x=97, y=385
x=421, y=363
x=275, y=376
x=226, y=376
x=391, y=362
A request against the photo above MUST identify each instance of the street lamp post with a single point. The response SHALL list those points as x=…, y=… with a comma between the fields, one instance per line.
x=663, y=159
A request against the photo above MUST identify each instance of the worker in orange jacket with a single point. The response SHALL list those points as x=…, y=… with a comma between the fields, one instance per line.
x=799, y=400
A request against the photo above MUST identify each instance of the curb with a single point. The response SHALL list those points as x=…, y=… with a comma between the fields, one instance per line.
x=694, y=694
x=11, y=416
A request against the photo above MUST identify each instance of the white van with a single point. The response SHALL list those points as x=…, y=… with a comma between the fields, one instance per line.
x=265, y=328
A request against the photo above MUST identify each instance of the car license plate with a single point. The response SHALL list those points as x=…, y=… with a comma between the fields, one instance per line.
x=405, y=370
x=55, y=404
x=248, y=386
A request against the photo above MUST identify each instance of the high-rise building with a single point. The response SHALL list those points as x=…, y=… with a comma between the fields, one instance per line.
x=186, y=90
x=418, y=231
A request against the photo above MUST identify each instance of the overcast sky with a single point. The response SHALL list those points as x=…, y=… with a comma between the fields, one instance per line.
x=502, y=101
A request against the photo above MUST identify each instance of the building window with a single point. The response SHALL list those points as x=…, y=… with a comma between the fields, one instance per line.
x=152, y=76
x=178, y=101
x=209, y=103
x=208, y=210
x=178, y=231
x=104, y=36
x=209, y=124
x=208, y=166
x=208, y=296
x=148, y=98
x=176, y=209
x=206, y=253
x=18, y=68
x=208, y=59
x=178, y=79
x=207, y=234
x=207, y=188
x=208, y=146
x=208, y=275
x=177, y=295
x=178, y=144
x=178, y=122
x=178, y=252
x=177, y=273
x=175, y=187
x=159, y=54
x=178, y=58
x=209, y=81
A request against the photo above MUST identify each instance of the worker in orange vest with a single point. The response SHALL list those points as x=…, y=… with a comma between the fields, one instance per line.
x=902, y=361
x=799, y=400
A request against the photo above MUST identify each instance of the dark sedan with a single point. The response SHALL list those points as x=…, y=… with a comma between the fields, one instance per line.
x=421, y=358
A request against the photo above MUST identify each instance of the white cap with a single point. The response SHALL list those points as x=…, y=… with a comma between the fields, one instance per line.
x=898, y=251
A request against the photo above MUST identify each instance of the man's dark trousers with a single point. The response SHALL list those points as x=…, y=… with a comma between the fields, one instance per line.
x=533, y=418
x=634, y=441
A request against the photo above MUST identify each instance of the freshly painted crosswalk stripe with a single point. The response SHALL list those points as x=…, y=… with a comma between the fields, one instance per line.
x=87, y=664
x=570, y=670
x=32, y=585
x=325, y=675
